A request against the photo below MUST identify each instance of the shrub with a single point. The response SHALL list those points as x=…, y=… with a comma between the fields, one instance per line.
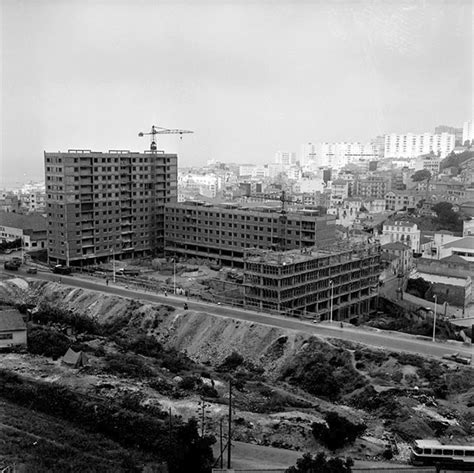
x=233, y=361
x=338, y=432
x=127, y=365
x=319, y=463
x=47, y=342
x=208, y=391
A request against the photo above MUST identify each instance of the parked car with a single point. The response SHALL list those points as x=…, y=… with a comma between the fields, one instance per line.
x=457, y=358
x=62, y=269
x=10, y=266
x=31, y=270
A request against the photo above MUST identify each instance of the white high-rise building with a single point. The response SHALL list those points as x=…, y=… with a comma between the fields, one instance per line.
x=468, y=131
x=285, y=158
x=337, y=155
x=412, y=145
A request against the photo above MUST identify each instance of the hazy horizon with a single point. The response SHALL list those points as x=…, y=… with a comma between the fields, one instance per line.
x=249, y=78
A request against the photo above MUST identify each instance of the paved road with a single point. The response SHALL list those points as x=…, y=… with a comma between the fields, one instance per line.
x=393, y=341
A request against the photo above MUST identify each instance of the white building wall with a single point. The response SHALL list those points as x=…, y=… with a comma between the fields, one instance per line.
x=411, y=145
x=468, y=131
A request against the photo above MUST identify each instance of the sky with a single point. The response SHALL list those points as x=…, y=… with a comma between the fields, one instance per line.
x=250, y=78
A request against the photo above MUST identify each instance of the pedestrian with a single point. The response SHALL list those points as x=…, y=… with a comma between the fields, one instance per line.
x=107, y=281
x=166, y=293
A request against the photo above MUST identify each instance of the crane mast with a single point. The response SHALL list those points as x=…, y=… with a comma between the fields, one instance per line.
x=158, y=130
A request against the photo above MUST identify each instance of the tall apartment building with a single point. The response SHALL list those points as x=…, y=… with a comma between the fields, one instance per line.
x=223, y=232
x=103, y=205
x=337, y=155
x=468, y=132
x=412, y=145
x=285, y=158
x=339, y=282
x=457, y=132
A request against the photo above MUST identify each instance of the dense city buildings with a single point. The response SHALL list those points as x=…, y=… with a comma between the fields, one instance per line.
x=104, y=205
x=340, y=283
x=30, y=229
x=223, y=232
x=457, y=132
x=411, y=145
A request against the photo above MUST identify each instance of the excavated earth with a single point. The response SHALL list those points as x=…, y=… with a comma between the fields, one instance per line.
x=209, y=340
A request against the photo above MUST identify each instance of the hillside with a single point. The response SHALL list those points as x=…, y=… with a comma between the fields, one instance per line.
x=284, y=381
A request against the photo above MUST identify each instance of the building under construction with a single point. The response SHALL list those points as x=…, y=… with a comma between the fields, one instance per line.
x=339, y=283
x=224, y=232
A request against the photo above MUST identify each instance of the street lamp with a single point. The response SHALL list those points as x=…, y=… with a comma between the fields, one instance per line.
x=331, y=284
x=434, y=319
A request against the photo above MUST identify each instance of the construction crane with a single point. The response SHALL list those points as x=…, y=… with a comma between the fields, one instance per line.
x=158, y=130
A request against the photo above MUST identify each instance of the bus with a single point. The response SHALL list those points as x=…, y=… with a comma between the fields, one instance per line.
x=432, y=452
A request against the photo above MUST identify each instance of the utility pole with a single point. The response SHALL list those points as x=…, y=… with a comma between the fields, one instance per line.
x=221, y=447
x=229, y=438
x=434, y=319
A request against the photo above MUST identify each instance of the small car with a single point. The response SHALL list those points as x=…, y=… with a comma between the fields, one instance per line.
x=31, y=270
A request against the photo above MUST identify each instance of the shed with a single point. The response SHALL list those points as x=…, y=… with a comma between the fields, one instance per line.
x=75, y=359
x=12, y=329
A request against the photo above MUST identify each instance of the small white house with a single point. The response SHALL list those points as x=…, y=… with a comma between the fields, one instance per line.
x=12, y=329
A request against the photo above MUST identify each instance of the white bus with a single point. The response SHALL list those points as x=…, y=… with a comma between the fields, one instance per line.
x=432, y=452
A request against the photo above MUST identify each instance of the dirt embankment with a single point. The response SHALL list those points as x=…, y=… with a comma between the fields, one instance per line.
x=285, y=379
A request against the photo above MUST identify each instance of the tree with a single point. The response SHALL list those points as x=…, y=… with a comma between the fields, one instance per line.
x=446, y=217
x=319, y=464
x=421, y=175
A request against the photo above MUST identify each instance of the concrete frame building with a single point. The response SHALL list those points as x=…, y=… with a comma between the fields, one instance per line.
x=468, y=131
x=223, y=232
x=104, y=205
x=338, y=283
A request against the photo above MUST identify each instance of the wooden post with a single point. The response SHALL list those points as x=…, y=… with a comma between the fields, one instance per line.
x=229, y=438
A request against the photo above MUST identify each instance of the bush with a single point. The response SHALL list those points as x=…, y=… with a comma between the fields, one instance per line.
x=233, y=361
x=338, y=432
x=47, y=342
x=127, y=365
x=307, y=463
x=208, y=391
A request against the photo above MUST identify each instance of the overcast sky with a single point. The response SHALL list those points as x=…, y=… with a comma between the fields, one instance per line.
x=249, y=77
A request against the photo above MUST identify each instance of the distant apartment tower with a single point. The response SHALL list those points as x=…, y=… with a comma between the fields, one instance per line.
x=337, y=155
x=223, y=232
x=468, y=132
x=411, y=145
x=285, y=158
x=104, y=205
x=457, y=132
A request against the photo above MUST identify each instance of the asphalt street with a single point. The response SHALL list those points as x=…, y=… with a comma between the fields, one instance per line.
x=393, y=341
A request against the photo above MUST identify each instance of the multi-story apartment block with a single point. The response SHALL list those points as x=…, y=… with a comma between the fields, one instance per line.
x=412, y=145
x=338, y=283
x=468, y=132
x=401, y=200
x=428, y=162
x=405, y=232
x=285, y=158
x=457, y=132
x=372, y=186
x=103, y=205
x=337, y=155
x=223, y=232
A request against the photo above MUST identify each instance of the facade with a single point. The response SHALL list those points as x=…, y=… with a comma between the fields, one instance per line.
x=404, y=232
x=468, y=132
x=372, y=186
x=340, y=283
x=411, y=145
x=103, y=205
x=428, y=162
x=401, y=200
x=285, y=158
x=457, y=132
x=12, y=329
x=337, y=155
x=401, y=256
x=30, y=228
x=223, y=232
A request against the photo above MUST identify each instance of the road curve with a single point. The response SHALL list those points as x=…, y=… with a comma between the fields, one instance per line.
x=393, y=341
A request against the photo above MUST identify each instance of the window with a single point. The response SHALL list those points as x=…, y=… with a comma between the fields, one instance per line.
x=6, y=336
